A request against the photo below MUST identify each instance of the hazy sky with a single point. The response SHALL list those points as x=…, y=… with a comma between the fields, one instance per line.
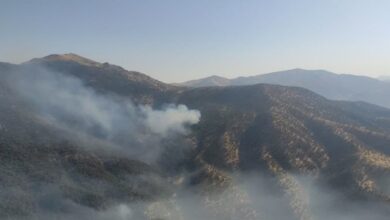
x=177, y=40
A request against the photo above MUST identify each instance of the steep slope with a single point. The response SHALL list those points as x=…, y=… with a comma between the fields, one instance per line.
x=66, y=166
x=330, y=85
x=284, y=114
x=277, y=131
x=258, y=152
x=48, y=169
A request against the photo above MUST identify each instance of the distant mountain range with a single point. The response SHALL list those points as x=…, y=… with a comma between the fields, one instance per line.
x=258, y=152
x=331, y=85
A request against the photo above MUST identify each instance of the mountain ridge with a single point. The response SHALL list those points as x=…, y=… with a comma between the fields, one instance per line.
x=244, y=80
x=333, y=86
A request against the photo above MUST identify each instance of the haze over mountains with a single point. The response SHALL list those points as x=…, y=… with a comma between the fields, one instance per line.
x=88, y=140
x=331, y=85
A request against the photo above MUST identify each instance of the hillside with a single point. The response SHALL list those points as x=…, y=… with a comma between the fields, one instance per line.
x=73, y=145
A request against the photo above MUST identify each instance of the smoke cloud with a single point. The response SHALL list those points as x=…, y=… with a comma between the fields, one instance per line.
x=66, y=102
x=170, y=120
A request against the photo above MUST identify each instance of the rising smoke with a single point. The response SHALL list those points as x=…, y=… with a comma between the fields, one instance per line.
x=66, y=102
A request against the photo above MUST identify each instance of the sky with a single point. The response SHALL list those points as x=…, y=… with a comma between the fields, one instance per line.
x=179, y=40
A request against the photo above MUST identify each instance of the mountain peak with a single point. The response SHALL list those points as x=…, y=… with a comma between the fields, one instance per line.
x=301, y=70
x=213, y=80
x=216, y=76
x=67, y=57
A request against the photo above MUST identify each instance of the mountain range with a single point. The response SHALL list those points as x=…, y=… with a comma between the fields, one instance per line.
x=328, y=84
x=87, y=140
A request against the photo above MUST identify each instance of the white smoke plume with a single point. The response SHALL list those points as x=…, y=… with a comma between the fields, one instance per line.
x=67, y=102
x=171, y=119
x=251, y=197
